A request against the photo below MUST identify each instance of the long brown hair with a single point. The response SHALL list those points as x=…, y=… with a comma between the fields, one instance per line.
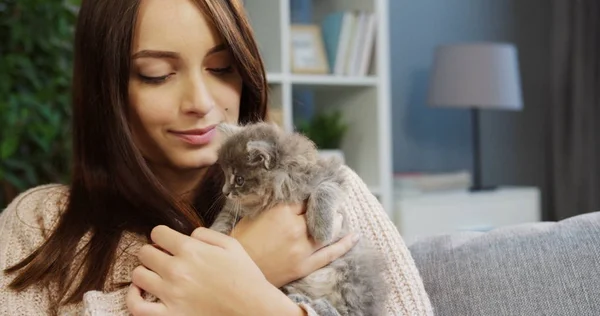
x=112, y=188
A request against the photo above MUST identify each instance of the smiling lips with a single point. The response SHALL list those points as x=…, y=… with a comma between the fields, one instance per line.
x=196, y=136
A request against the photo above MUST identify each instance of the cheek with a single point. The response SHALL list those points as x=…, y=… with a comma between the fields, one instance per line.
x=151, y=107
x=227, y=95
x=149, y=111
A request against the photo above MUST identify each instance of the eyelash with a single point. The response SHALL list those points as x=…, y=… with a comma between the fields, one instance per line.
x=221, y=71
x=161, y=79
x=154, y=80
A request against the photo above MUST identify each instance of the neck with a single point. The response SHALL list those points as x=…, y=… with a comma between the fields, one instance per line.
x=180, y=183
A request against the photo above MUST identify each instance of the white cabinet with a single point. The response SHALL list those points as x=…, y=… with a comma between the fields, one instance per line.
x=447, y=212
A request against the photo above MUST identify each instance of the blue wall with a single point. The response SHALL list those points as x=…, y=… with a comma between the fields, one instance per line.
x=428, y=139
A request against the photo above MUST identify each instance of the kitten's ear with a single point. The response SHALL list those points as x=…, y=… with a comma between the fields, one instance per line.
x=261, y=152
x=228, y=129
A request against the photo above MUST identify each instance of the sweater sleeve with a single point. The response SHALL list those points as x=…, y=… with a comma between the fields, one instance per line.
x=22, y=229
x=24, y=225
x=407, y=293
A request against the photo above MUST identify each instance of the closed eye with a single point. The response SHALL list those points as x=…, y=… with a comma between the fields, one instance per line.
x=222, y=70
x=155, y=80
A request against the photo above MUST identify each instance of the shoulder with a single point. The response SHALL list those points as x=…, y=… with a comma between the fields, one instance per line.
x=358, y=194
x=40, y=206
x=351, y=178
x=365, y=214
x=360, y=205
x=29, y=218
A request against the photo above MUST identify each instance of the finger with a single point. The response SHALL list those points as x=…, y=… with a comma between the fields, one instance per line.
x=296, y=208
x=147, y=280
x=300, y=209
x=137, y=306
x=326, y=255
x=159, y=248
x=154, y=259
x=168, y=239
x=214, y=238
x=241, y=226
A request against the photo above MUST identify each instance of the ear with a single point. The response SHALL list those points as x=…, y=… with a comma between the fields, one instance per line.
x=228, y=129
x=261, y=152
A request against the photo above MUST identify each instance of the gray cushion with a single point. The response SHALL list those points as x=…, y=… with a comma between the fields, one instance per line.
x=533, y=269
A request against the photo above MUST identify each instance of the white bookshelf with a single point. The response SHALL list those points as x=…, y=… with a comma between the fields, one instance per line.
x=364, y=100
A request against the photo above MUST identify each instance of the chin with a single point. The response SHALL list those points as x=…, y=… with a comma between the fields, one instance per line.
x=198, y=159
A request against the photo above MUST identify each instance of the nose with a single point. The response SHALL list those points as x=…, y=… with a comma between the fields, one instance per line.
x=198, y=99
x=226, y=190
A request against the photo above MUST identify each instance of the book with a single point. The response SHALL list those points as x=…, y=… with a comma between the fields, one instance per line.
x=343, y=44
x=366, y=53
x=349, y=39
x=357, y=42
x=331, y=28
x=416, y=183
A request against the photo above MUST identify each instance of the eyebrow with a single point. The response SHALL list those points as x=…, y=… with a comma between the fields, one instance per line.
x=216, y=49
x=173, y=55
x=155, y=54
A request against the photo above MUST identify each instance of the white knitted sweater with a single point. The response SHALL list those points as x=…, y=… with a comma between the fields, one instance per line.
x=26, y=221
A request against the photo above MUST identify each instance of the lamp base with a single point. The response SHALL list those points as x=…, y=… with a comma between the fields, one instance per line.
x=477, y=186
x=483, y=188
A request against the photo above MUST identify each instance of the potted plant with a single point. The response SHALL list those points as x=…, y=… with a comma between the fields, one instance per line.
x=327, y=130
x=36, y=50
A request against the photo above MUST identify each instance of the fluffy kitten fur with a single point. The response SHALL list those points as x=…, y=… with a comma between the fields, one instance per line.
x=265, y=166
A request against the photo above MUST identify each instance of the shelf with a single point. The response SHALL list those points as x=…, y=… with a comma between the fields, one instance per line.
x=322, y=80
x=274, y=77
x=329, y=80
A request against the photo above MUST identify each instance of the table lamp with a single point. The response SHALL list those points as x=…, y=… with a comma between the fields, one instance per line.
x=476, y=76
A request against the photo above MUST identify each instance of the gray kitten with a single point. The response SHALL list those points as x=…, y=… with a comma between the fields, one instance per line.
x=265, y=166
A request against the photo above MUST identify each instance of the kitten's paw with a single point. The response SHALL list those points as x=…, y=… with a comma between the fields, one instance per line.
x=322, y=235
x=324, y=308
x=321, y=212
x=299, y=298
x=221, y=228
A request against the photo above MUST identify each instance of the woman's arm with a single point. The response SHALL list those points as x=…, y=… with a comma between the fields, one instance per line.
x=407, y=294
x=24, y=225
x=192, y=273
x=210, y=272
x=21, y=231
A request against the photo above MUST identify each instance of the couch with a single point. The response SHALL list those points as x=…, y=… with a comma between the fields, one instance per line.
x=544, y=268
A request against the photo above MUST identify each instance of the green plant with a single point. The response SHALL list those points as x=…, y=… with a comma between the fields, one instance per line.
x=36, y=38
x=325, y=129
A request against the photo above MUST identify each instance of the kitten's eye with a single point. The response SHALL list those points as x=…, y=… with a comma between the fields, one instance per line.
x=239, y=181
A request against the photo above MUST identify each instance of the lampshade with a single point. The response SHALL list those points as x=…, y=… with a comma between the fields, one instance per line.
x=481, y=75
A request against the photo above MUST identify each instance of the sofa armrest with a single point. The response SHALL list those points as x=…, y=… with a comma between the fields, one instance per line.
x=545, y=268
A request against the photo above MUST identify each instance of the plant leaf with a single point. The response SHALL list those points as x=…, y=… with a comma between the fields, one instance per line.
x=8, y=147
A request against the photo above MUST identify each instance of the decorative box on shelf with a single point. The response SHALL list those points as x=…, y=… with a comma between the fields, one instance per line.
x=435, y=213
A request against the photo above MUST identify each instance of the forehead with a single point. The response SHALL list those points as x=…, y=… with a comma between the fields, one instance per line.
x=175, y=25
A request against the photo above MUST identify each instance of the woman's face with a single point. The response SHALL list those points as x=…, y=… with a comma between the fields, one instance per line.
x=182, y=83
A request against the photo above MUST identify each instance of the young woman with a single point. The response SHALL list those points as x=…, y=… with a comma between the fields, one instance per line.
x=151, y=80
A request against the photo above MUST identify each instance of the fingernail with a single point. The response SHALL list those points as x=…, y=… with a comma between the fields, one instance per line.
x=356, y=237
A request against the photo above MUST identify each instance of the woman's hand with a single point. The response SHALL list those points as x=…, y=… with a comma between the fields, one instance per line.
x=209, y=274
x=278, y=242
